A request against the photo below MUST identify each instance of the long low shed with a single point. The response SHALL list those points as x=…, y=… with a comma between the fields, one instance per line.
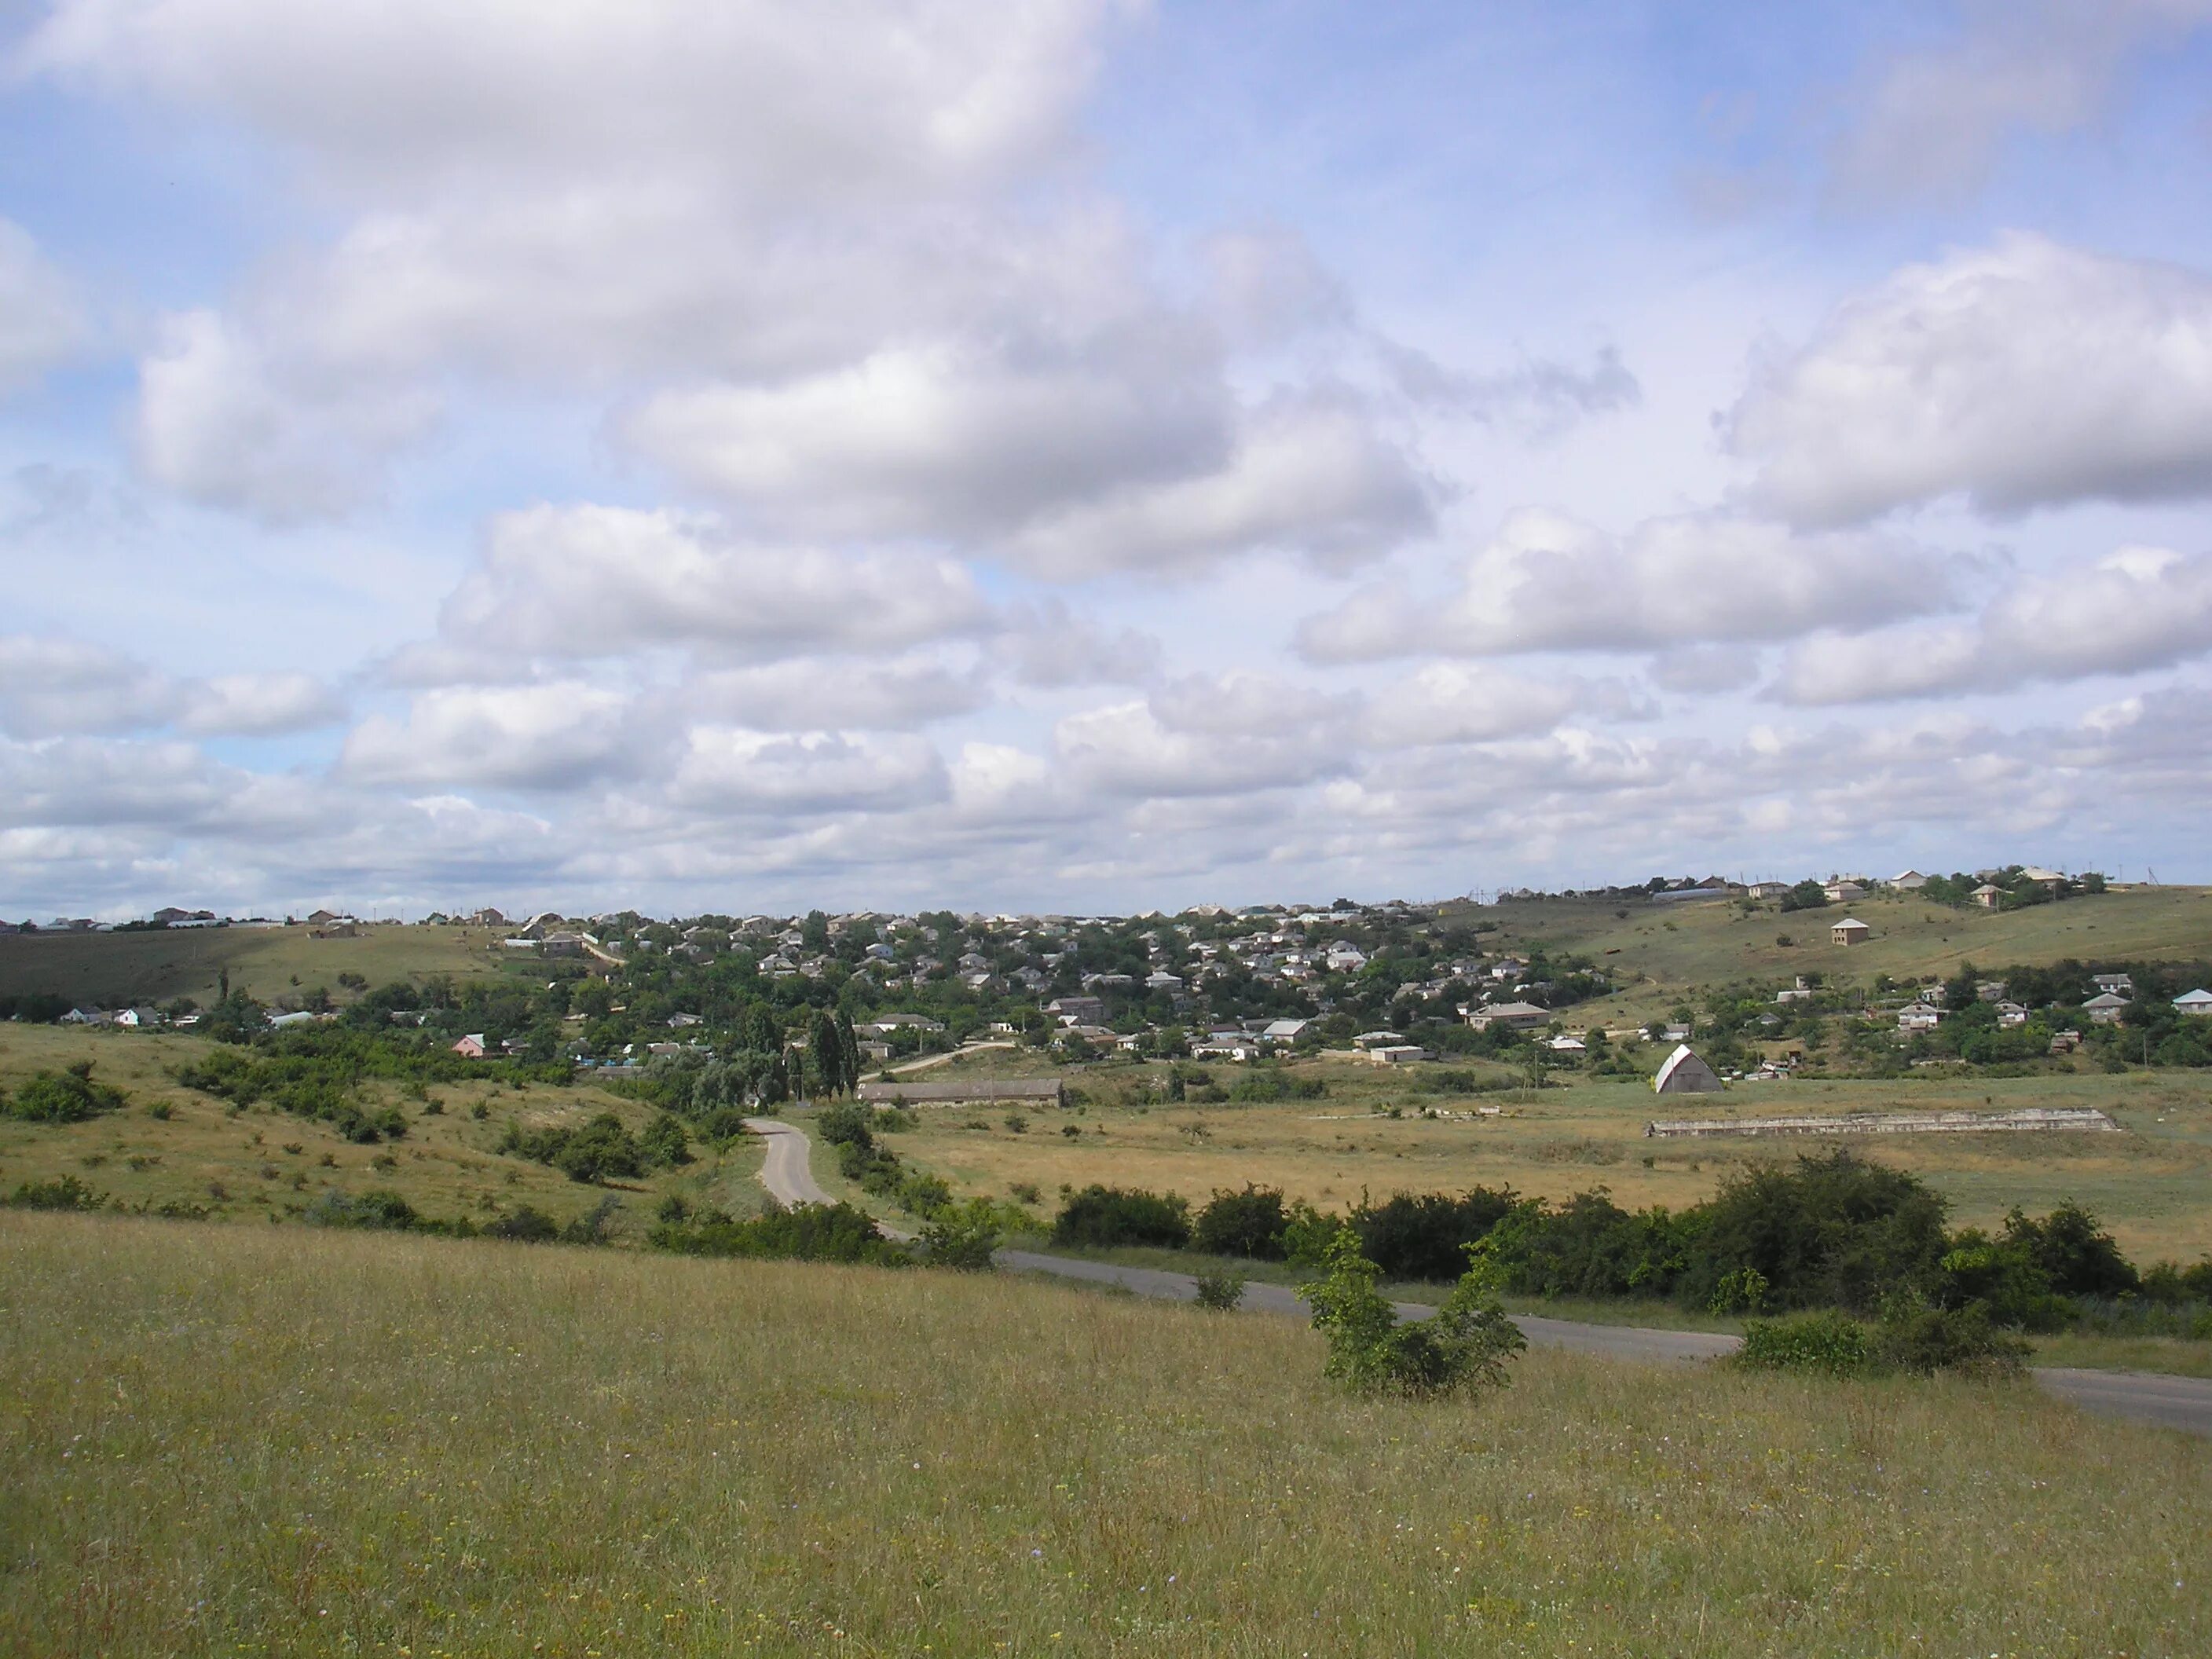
x=1891, y=1123
x=972, y=1091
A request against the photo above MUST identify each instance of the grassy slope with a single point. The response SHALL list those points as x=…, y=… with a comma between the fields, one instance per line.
x=484, y=1449
x=445, y=1167
x=1661, y=954
x=115, y=969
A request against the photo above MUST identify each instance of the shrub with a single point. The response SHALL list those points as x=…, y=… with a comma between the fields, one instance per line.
x=1464, y=1345
x=379, y=1211
x=1426, y=1236
x=1113, y=1215
x=591, y=1227
x=1248, y=1223
x=811, y=1232
x=846, y=1124
x=68, y=1097
x=1743, y=1291
x=1306, y=1236
x=1921, y=1339
x=600, y=1149
x=64, y=1193
x=1834, y=1231
x=961, y=1237
x=1590, y=1246
x=524, y=1225
x=2078, y=1257
x=664, y=1145
x=1221, y=1289
x=1832, y=1343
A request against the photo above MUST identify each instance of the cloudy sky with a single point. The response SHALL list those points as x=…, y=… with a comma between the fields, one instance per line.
x=1070, y=455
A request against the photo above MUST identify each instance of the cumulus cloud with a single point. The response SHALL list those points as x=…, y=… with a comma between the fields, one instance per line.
x=1930, y=122
x=810, y=695
x=221, y=423
x=54, y=687
x=557, y=736
x=256, y=705
x=1310, y=475
x=591, y=581
x=1128, y=749
x=949, y=439
x=2137, y=609
x=841, y=96
x=731, y=769
x=1545, y=582
x=42, y=321
x=2019, y=375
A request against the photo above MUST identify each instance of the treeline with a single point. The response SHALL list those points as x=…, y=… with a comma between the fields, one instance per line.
x=1832, y=1231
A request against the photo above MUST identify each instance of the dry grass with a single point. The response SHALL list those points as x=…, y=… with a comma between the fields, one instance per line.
x=2152, y=1185
x=445, y=1167
x=114, y=969
x=222, y=1440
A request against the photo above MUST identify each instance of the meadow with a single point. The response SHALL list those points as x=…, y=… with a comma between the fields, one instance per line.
x=111, y=970
x=171, y=1145
x=226, y=1440
x=2152, y=1185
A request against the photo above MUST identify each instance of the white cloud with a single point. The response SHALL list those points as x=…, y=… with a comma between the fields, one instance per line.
x=1310, y=475
x=557, y=736
x=42, y=321
x=1931, y=121
x=839, y=96
x=948, y=438
x=51, y=687
x=1128, y=749
x=811, y=695
x=220, y=423
x=1548, y=583
x=1458, y=703
x=256, y=705
x=729, y=770
x=591, y=581
x=2137, y=610
x=2019, y=375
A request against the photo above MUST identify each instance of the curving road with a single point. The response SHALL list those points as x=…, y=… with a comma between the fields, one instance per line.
x=2173, y=1402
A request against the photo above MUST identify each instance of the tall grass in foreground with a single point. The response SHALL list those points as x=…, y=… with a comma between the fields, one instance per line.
x=219, y=1440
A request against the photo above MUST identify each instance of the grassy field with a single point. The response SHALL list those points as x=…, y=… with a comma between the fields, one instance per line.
x=483, y=1448
x=1661, y=954
x=2152, y=1184
x=113, y=969
x=261, y=1162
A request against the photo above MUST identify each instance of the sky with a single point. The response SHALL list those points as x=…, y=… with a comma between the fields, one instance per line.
x=1086, y=455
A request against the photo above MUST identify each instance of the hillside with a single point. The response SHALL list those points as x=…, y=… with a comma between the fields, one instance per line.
x=113, y=971
x=485, y=1448
x=1659, y=954
x=200, y=1154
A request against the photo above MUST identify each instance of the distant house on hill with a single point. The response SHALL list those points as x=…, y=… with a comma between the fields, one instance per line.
x=2105, y=1008
x=1988, y=895
x=2193, y=1002
x=1684, y=1073
x=1850, y=931
x=1909, y=881
x=470, y=1046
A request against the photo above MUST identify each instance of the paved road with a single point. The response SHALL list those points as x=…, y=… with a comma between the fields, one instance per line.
x=2173, y=1402
x=785, y=1172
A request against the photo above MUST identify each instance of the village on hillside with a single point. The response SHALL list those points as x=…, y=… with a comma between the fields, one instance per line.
x=1394, y=984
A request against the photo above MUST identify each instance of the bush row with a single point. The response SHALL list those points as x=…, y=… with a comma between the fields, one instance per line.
x=1833, y=1230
